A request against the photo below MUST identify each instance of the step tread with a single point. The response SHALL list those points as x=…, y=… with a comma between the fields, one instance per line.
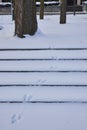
x=43, y=94
x=44, y=78
x=47, y=54
x=43, y=65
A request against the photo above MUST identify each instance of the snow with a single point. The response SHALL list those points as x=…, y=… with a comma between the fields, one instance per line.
x=44, y=65
x=37, y=3
x=71, y=115
x=52, y=117
x=49, y=3
x=5, y=3
x=37, y=94
x=85, y=2
x=47, y=55
x=49, y=35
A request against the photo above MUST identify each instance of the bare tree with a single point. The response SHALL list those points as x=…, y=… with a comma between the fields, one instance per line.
x=63, y=12
x=25, y=17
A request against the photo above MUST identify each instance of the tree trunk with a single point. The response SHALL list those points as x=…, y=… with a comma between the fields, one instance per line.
x=41, y=9
x=25, y=17
x=63, y=12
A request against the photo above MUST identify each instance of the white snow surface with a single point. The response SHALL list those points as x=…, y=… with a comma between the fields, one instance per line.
x=5, y=3
x=50, y=34
x=48, y=3
x=85, y=2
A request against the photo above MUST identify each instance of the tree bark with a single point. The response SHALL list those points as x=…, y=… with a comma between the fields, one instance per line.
x=41, y=9
x=25, y=17
x=63, y=12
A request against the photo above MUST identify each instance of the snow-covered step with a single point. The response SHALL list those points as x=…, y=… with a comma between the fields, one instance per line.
x=43, y=65
x=44, y=95
x=43, y=75
x=51, y=78
x=44, y=54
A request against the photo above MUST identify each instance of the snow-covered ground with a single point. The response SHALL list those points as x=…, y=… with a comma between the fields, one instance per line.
x=50, y=33
x=45, y=116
